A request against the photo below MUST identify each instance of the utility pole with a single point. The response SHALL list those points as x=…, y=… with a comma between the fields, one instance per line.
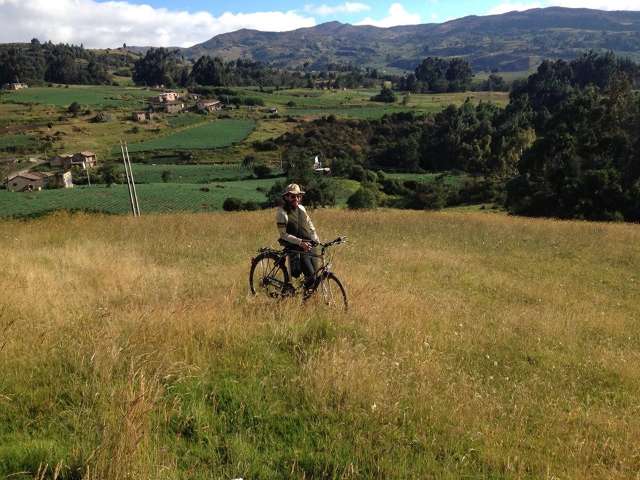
x=133, y=197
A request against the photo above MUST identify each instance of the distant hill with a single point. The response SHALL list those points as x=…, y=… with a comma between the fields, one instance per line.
x=509, y=42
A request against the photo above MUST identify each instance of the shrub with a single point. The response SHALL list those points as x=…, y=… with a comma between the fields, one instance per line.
x=386, y=95
x=74, y=109
x=232, y=204
x=363, y=198
x=262, y=171
x=101, y=117
x=266, y=146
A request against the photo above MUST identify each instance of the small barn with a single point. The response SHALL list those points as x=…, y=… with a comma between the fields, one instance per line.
x=7, y=162
x=85, y=159
x=14, y=86
x=142, y=116
x=29, y=182
x=172, y=107
x=209, y=105
x=62, y=161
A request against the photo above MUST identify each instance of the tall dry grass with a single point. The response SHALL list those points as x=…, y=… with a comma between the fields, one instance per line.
x=477, y=345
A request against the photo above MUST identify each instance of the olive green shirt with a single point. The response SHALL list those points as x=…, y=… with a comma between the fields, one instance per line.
x=295, y=226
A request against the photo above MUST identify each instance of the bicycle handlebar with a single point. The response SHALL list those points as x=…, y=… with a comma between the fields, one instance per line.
x=336, y=241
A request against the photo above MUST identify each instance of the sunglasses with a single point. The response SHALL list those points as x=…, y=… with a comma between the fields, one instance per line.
x=295, y=195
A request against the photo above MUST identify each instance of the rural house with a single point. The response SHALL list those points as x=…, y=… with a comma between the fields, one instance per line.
x=172, y=107
x=209, y=105
x=142, y=116
x=28, y=182
x=62, y=161
x=7, y=162
x=166, y=97
x=83, y=159
x=14, y=86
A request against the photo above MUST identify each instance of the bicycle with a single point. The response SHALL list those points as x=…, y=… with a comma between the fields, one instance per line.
x=269, y=275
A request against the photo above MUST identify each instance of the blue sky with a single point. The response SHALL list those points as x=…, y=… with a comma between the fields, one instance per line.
x=100, y=23
x=428, y=10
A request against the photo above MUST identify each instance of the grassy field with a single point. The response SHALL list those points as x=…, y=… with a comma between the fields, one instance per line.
x=476, y=346
x=154, y=197
x=92, y=96
x=181, y=194
x=216, y=134
x=21, y=141
x=189, y=173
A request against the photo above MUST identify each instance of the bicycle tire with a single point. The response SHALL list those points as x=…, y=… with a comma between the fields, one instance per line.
x=331, y=292
x=260, y=268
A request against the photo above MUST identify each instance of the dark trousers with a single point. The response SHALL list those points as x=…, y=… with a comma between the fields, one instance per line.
x=303, y=262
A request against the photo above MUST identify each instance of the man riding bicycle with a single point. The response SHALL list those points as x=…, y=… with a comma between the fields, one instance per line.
x=298, y=233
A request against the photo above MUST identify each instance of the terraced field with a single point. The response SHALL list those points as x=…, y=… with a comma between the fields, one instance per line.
x=221, y=133
x=85, y=95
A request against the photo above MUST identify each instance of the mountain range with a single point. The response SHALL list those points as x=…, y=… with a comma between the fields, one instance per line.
x=513, y=41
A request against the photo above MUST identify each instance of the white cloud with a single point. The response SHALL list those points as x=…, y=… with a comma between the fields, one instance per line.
x=398, y=15
x=112, y=23
x=511, y=6
x=348, y=7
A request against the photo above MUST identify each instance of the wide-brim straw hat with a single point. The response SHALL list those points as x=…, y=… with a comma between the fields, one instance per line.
x=294, y=189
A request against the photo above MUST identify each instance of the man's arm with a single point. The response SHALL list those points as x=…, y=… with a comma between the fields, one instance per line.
x=310, y=226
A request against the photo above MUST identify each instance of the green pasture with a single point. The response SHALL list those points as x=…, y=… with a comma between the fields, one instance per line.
x=221, y=133
x=92, y=96
x=153, y=197
x=449, y=179
x=10, y=142
x=186, y=173
x=184, y=120
x=157, y=197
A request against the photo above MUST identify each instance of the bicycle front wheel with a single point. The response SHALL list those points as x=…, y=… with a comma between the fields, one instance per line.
x=331, y=293
x=268, y=276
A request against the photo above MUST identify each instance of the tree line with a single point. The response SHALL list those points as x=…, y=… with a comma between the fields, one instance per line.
x=38, y=63
x=567, y=145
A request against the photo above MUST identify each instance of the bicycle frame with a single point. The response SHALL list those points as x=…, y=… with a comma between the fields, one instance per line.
x=283, y=254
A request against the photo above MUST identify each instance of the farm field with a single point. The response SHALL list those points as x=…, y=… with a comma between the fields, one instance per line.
x=216, y=134
x=449, y=179
x=95, y=96
x=186, y=173
x=178, y=195
x=154, y=197
x=476, y=346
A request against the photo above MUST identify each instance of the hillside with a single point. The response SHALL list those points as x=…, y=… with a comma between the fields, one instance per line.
x=509, y=42
x=477, y=346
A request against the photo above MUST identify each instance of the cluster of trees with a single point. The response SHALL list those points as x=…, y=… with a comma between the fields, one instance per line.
x=439, y=75
x=162, y=66
x=45, y=62
x=567, y=144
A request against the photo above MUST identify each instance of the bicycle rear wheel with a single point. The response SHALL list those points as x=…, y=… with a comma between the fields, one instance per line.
x=268, y=276
x=330, y=292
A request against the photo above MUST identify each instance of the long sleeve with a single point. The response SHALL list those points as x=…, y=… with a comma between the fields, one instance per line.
x=310, y=226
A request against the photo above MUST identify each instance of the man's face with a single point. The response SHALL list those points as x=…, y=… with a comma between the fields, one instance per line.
x=293, y=200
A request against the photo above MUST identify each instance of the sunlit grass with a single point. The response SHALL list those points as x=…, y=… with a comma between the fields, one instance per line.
x=477, y=346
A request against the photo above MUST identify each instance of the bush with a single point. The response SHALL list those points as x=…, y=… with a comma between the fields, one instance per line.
x=74, y=109
x=101, y=117
x=266, y=146
x=386, y=95
x=357, y=173
x=262, y=171
x=363, y=198
x=232, y=204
